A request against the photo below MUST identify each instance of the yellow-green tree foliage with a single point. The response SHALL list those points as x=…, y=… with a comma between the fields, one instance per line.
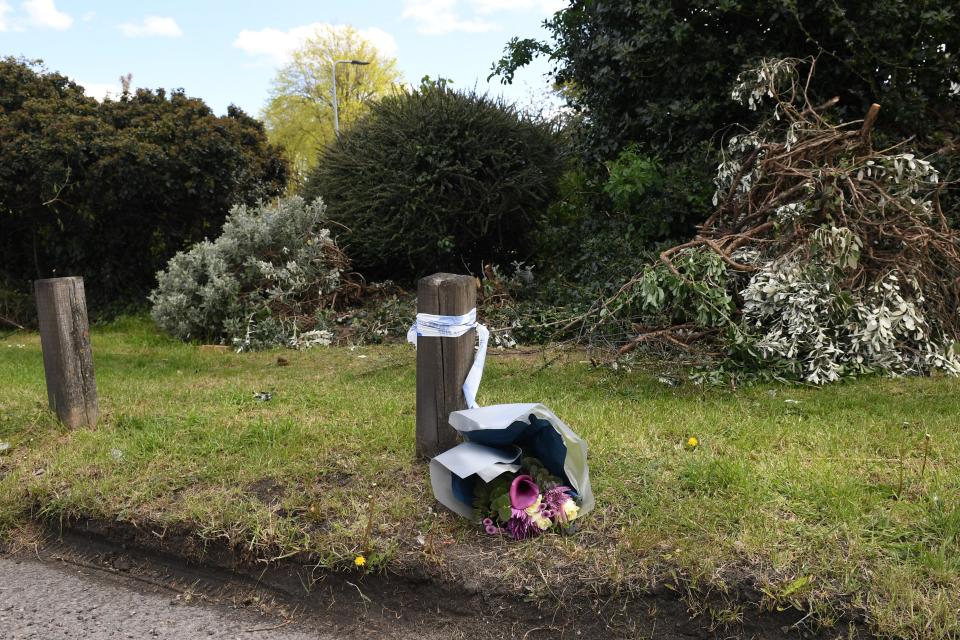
x=299, y=116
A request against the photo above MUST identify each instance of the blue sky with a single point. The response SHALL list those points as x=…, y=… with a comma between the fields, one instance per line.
x=228, y=50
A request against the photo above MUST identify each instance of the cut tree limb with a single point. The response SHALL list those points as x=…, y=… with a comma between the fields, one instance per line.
x=868, y=123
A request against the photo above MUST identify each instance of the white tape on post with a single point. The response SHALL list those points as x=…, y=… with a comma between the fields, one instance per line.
x=431, y=326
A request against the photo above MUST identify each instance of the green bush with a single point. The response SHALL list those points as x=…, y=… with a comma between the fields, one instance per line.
x=602, y=230
x=437, y=179
x=660, y=200
x=110, y=191
x=632, y=176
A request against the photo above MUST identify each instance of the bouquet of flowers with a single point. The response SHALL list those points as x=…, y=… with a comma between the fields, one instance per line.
x=521, y=471
x=527, y=504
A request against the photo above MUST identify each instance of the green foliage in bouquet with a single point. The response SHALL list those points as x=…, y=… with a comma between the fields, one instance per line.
x=500, y=504
x=540, y=474
x=493, y=498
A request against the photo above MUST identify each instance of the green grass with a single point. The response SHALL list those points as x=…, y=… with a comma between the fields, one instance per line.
x=836, y=503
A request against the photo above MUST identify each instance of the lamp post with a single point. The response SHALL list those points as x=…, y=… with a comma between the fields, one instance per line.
x=336, y=117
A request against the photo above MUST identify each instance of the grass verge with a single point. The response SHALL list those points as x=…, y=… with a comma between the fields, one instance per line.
x=841, y=501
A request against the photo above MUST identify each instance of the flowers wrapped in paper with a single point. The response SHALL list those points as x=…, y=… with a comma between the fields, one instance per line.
x=521, y=469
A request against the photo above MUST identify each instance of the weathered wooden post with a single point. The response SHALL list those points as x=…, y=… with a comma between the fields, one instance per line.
x=67, y=357
x=442, y=363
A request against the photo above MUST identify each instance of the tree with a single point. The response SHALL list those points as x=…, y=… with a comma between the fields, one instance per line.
x=299, y=116
x=656, y=73
x=112, y=190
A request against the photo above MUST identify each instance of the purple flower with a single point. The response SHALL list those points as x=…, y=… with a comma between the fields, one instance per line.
x=491, y=529
x=523, y=492
x=521, y=526
x=554, y=499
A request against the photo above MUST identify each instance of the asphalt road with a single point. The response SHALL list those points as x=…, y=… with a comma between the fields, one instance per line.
x=54, y=601
x=90, y=590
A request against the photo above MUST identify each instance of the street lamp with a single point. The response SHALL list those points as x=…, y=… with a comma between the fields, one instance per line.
x=336, y=117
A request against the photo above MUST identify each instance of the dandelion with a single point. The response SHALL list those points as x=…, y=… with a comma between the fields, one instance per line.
x=360, y=561
x=692, y=442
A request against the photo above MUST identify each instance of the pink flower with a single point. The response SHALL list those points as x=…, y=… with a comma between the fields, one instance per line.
x=524, y=492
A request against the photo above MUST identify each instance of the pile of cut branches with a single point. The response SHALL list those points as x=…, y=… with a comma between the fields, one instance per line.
x=824, y=257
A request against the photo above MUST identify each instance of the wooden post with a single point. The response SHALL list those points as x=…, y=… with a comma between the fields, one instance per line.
x=442, y=363
x=67, y=358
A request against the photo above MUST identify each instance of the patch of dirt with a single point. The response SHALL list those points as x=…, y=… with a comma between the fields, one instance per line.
x=419, y=600
x=339, y=478
x=268, y=491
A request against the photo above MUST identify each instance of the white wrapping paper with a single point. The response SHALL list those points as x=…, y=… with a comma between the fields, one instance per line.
x=471, y=458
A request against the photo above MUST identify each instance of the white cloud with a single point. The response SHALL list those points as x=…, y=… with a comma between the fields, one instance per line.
x=5, y=8
x=43, y=13
x=546, y=7
x=158, y=26
x=278, y=45
x=101, y=90
x=436, y=17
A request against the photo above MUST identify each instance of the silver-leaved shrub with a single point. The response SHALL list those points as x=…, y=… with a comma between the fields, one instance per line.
x=261, y=283
x=799, y=316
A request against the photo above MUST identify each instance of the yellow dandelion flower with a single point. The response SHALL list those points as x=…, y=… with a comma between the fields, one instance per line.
x=360, y=561
x=692, y=442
